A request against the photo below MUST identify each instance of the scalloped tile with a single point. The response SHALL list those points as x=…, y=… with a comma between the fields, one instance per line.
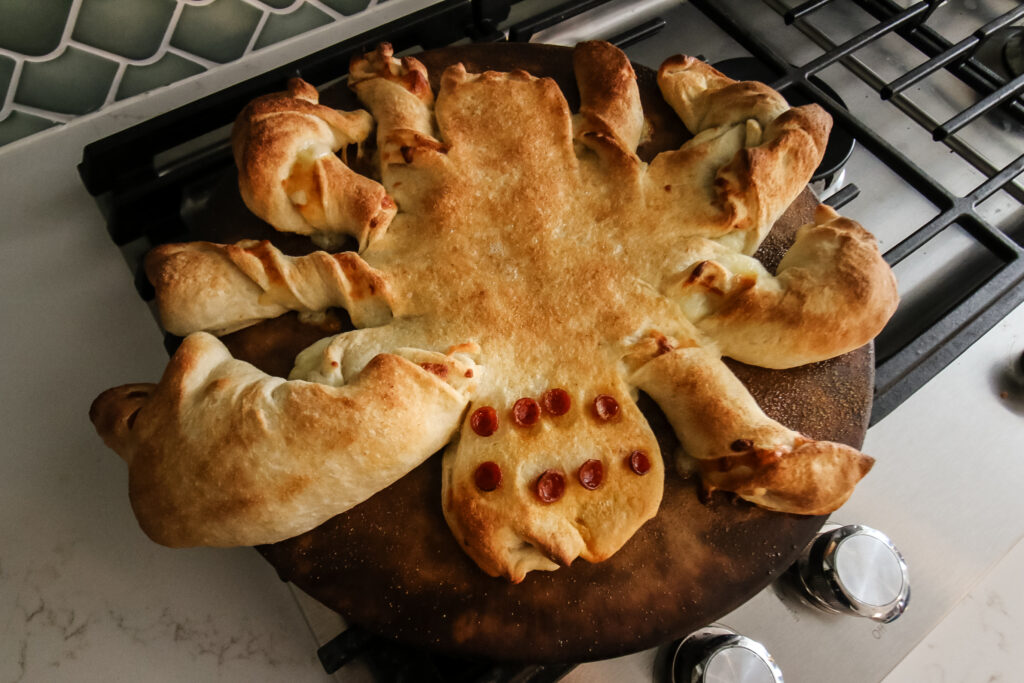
x=50, y=69
x=219, y=32
x=347, y=6
x=33, y=27
x=21, y=125
x=166, y=70
x=280, y=27
x=76, y=82
x=132, y=29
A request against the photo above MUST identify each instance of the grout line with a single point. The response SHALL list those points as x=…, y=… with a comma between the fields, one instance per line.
x=7, y=106
x=334, y=15
x=250, y=46
x=296, y=4
x=172, y=26
x=56, y=117
x=69, y=26
x=201, y=61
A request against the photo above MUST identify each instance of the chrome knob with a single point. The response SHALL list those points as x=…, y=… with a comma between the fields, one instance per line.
x=854, y=570
x=715, y=654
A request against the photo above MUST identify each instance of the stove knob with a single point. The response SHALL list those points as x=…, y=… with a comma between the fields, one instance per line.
x=854, y=570
x=718, y=655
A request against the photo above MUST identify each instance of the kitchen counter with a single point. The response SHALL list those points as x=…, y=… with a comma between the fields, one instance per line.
x=86, y=596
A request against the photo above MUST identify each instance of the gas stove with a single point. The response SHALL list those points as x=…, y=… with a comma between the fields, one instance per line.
x=928, y=112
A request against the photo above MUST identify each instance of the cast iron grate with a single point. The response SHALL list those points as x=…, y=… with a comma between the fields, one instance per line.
x=929, y=340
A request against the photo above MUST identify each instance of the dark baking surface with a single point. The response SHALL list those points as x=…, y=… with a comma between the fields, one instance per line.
x=392, y=566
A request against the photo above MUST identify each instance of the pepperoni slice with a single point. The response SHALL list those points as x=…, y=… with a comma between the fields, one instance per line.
x=591, y=474
x=606, y=408
x=487, y=476
x=550, y=486
x=556, y=401
x=525, y=412
x=484, y=421
x=639, y=462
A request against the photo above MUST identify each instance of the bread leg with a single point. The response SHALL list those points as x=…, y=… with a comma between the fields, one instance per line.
x=222, y=454
x=750, y=157
x=833, y=293
x=289, y=175
x=218, y=288
x=398, y=94
x=736, y=447
x=611, y=119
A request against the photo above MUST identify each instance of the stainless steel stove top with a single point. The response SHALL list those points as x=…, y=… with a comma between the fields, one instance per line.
x=936, y=175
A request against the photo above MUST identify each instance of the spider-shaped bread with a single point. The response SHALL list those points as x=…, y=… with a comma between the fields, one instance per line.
x=522, y=274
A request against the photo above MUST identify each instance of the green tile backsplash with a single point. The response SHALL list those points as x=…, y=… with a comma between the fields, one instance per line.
x=33, y=28
x=283, y=26
x=133, y=29
x=74, y=82
x=138, y=79
x=64, y=58
x=19, y=125
x=219, y=31
x=6, y=75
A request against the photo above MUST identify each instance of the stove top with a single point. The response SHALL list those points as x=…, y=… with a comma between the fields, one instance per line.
x=929, y=95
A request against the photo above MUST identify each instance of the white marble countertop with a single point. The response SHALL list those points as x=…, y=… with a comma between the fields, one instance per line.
x=84, y=595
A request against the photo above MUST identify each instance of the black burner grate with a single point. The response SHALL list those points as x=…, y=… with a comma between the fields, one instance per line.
x=391, y=662
x=922, y=342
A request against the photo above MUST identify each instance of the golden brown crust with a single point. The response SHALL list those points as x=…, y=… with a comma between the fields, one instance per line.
x=610, y=120
x=812, y=478
x=705, y=98
x=757, y=153
x=398, y=93
x=289, y=175
x=221, y=454
x=218, y=288
x=513, y=530
x=833, y=293
x=737, y=447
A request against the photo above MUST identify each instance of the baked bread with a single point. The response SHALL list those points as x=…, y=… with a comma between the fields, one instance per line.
x=830, y=287
x=217, y=288
x=576, y=275
x=221, y=454
x=759, y=150
x=289, y=175
x=734, y=446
